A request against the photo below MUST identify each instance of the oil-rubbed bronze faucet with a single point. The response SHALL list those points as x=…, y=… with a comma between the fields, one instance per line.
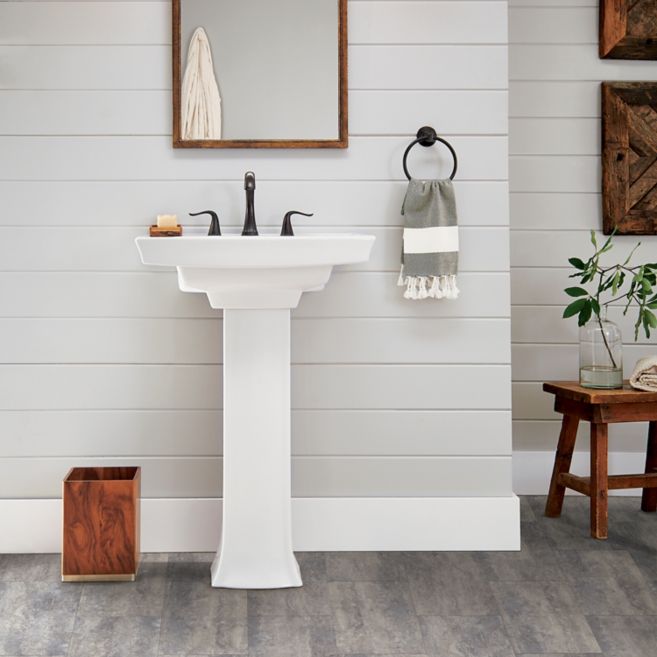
x=249, y=219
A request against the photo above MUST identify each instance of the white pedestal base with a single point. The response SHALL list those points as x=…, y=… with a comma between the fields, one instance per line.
x=256, y=537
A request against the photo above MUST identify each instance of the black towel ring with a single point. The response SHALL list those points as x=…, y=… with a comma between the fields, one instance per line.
x=426, y=136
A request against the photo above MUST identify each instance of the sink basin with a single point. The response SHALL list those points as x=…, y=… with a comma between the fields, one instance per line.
x=256, y=280
x=267, y=271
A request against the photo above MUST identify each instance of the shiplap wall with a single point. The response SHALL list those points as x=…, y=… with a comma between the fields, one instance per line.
x=555, y=175
x=105, y=361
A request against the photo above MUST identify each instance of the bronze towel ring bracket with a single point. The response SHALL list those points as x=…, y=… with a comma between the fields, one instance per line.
x=427, y=136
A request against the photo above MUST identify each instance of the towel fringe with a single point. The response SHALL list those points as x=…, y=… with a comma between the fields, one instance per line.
x=433, y=287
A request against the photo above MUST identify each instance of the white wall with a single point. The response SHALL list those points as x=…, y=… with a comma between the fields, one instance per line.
x=555, y=201
x=106, y=362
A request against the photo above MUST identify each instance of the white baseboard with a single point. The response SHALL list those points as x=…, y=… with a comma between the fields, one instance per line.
x=532, y=470
x=319, y=524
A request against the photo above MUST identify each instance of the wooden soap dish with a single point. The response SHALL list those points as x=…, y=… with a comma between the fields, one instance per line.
x=170, y=231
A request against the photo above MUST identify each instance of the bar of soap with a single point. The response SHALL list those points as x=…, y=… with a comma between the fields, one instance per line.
x=167, y=220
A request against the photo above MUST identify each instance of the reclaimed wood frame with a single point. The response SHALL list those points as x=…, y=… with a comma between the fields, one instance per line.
x=341, y=142
x=629, y=158
x=628, y=29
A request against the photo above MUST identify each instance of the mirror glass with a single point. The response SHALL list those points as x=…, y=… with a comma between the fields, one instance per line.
x=259, y=73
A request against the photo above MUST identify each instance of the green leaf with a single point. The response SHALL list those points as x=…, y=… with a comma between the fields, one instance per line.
x=577, y=263
x=646, y=323
x=614, y=283
x=585, y=314
x=574, y=308
x=576, y=292
x=651, y=318
x=595, y=306
x=593, y=240
x=606, y=284
x=607, y=246
x=629, y=257
x=588, y=277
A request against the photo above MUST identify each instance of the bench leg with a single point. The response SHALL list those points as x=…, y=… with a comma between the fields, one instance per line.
x=599, y=481
x=562, y=461
x=649, y=497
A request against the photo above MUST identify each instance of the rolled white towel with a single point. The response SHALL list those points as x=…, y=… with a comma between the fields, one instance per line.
x=644, y=376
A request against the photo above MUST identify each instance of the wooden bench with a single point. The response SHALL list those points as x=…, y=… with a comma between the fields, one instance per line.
x=600, y=408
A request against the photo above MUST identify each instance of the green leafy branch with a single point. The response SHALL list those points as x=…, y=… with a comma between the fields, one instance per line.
x=607, y=283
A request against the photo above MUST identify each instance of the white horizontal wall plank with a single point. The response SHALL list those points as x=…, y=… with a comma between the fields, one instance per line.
x=430, y=387
x=137, y=112
x=549, y=248
x=560, y=136
x=573, y=62
x=391, y=432
x=311, y=477
x=151, y=158
x=199, y=433
x=61, y=433
x=149, y=341
x=112, y=249
x=560, y=362
x=82, y=67
x=539, y=287
x=400, y=341
x=134, y=387
x=85, y=23
x=540, y=435
x=147, y=67
x=402, y=22
x=558, y=212
x=554, y=99
x=545, y=325
x=555, y=174
x=132, y=203
x=428, y=67
x=428, y=22
x=134, y=112
x=531, y=403
x=562, y=25
x=391, y=112
x=347, y=294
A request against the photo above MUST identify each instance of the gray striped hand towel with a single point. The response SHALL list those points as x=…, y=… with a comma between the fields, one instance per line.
x=430, y=243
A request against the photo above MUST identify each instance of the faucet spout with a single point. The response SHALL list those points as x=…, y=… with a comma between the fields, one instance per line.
x=249, y=218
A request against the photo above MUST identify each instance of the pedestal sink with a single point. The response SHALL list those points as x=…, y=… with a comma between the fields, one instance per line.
x=256, y=281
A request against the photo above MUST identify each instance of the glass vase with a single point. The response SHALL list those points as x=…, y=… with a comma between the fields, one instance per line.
x=600, y=354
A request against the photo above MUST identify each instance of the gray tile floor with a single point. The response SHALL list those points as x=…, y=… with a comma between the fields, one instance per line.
x=563, y=594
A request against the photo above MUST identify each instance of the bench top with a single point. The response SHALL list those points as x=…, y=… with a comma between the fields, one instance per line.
x=625, y=395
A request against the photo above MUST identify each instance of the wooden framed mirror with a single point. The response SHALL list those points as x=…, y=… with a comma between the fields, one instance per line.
x=260, y=73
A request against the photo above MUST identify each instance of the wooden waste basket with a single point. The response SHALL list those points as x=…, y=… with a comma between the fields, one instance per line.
x=101, y=524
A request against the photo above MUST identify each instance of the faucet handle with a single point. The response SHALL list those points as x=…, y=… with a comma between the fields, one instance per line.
x=249, y=180
x=215, y=229
x=286, y=228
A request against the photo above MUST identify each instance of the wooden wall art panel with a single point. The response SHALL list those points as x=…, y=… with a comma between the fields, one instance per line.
x=629, y=157
x=628, y=29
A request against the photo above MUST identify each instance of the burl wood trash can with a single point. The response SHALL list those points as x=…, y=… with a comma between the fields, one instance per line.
x=101, y=524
